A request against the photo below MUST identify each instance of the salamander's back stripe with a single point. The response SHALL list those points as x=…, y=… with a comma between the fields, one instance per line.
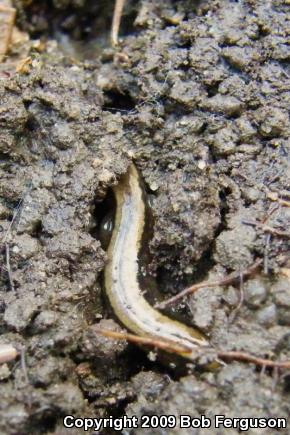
x=121, y=272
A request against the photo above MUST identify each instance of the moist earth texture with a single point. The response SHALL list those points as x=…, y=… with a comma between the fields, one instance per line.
x=197, y=94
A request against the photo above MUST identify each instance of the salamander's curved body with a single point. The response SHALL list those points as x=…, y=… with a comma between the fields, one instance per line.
x=121, y=273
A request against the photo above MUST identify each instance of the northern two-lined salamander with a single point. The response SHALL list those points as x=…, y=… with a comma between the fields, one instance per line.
x=121, y=273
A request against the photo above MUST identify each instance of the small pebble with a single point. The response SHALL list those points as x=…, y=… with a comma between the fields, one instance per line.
x=224, y=141
x=4, y=372
x=94, y=345
x=231, y=296
x=255, y=292
x=233, y=247
x=19, y=313
x=281, y=297
x=267, y=316
x=226, y=104
x=251, y=194
x=45, y=320
x=281, y=292
x=25, y=246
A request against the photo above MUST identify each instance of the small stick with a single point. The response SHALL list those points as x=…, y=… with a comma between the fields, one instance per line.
x=270, y=213
x=15, y=214
x=223, y=355
x=7, y=353
x=119, y=6
x=285, y=193
x=164, y=345
x=223, y=281
x=246, y=357
x=23, y=364
x=266, y=253
x=268, y=229
x=273, y=196
x=241, y=301
x=275, y=379
x=8, y=267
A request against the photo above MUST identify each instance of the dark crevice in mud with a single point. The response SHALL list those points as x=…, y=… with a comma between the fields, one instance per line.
x=224, y=209
x=118, y=102
x=4, y=158
x=285, y=64
x=201, y=267
x=48, y=423
x=37, y=230
x=176, y=109
x=32, y=124
x=212, y=90
x=127, y=24
x=204, y=264
x=80, y=26
x=185, y=68
x=139, y=361
x=13, y=206
x=287, y=384
x=263, y=31
x=27, y=104
x=184, y=43
x=103, y=218
x=80, y=20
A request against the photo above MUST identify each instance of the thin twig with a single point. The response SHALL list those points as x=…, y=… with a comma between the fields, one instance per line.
x=15, y=214
x=285, y=193
x=275, y=378
x=8, y=267
x=160, y=344
x=223, y=281
x=270, y=213
x=274, y=196
x=167, y=346
x=23, y=364
x=235, y=312
x=266, y=253
x=246, y=357
x=268, y=229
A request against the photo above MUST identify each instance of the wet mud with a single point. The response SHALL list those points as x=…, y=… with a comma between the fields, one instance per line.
x=197, y=93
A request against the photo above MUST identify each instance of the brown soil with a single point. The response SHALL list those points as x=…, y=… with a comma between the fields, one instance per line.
x=199, y=93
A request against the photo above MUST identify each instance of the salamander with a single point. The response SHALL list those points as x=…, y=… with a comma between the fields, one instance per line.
x=121, y=274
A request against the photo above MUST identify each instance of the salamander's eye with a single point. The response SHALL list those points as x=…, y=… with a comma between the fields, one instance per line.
x=104, y=217
x=107, y=224
x=105, y=229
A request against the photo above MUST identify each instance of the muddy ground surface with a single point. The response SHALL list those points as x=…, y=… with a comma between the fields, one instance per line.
x=199, y=94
